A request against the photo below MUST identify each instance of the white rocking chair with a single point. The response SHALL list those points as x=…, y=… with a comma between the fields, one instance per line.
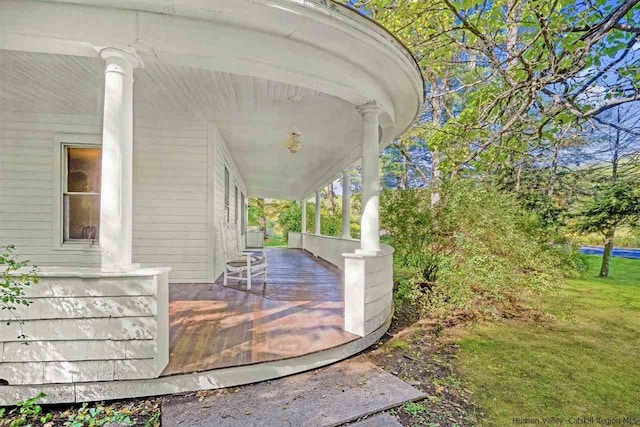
x=237, y=264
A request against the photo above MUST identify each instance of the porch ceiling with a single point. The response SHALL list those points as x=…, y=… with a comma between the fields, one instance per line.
x=254, y=115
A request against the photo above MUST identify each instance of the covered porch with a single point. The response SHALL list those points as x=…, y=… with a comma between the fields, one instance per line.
x=299, y=311
x=131, y=133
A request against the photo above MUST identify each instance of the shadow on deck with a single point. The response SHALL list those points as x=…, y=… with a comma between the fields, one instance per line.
x=299, y=311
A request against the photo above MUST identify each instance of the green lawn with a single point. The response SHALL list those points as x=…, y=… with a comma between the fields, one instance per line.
x=275, y=241
x=587, y=363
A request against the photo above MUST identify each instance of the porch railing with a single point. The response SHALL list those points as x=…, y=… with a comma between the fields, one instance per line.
x=368, y=278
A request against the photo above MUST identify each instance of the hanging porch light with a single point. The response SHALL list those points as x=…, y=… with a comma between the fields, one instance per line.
x=293, y=143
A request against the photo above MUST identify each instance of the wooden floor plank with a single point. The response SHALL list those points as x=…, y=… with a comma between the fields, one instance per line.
x=300, y=310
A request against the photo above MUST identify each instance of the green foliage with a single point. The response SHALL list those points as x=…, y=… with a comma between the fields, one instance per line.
x=415, y=408
x=407, y=224
x=507, y=82
x=617, y=204
x=256, y=212
x=493, y=248
x=29, y=413
x=97, y=416
x=331, y=224
x=275, y=241
x=287, y=216
x=25, y=413
x=15, y=277
x=550, y=216
x=154, y=420
x=480, y=246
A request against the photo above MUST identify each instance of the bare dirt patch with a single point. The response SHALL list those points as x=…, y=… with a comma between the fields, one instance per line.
x=423, y=355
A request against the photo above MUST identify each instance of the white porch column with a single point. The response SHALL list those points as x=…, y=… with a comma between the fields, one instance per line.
x=303, y=216
x=117, y=160
x=370, y=220
x=346, y=205
x=317, y=218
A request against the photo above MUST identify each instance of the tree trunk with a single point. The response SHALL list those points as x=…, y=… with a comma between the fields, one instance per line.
x=402, y=179
x=437, y=110
x=554, y=170
x=436, y=180
x=331, y=199
x=513, y=24
x=518, y=176
x=262, y=216
x=606, y=255
x=615, y=160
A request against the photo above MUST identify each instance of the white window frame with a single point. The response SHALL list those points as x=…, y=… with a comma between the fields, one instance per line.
x=60, y=142
x=236, y=204
x=243, y=213
x=227, y=194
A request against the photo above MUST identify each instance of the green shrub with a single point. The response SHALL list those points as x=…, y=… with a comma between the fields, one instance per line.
x=407, y=225
x=15, y=277
x=479, y=249
x=289, y=213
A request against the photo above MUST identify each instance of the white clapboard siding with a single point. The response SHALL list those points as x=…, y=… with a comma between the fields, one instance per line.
x=26, y=183
x=178, y=192
x=167, y=200
x=89, y=329
x=223, y=158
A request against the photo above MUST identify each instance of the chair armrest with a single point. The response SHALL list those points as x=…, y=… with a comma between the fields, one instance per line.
x=251, y=252
x=235, y=255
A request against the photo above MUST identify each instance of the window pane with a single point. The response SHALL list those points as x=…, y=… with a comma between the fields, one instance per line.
x=81, y=217
x=83, y=169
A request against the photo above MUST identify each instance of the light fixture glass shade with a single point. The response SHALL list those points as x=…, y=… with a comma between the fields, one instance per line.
x=293, y=143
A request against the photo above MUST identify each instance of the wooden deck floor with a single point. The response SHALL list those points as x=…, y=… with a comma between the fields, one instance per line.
x=299, y=311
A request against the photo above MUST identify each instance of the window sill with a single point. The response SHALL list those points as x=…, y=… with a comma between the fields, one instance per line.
x=78, y=247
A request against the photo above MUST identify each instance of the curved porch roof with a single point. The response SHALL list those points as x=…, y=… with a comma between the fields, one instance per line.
x=257, y=69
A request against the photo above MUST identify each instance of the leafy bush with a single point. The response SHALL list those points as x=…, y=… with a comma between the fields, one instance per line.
x=288, y=219
x=24, y=413
x=407, y=225
x=15, y=277
x=29, y=413
x=478, y=249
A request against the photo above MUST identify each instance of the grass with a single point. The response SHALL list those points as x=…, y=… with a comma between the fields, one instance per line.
x=586, y=363
x=275, y=241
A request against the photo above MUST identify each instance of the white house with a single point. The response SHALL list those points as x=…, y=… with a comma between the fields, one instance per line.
x=129, y=129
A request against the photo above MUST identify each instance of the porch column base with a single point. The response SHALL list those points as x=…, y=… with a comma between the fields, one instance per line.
x=368, y=290
x=120, y=268
x=354, y=295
